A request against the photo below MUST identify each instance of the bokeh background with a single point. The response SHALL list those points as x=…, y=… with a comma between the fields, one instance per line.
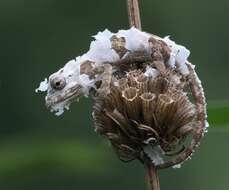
x=41, y=151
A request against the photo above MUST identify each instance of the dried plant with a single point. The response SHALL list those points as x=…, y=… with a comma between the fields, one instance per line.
x=149, y=101
x=142, y=111
x=151, y=118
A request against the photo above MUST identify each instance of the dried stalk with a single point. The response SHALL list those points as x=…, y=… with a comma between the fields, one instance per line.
x=134, y=14
x=135, y=20
x=152, y=176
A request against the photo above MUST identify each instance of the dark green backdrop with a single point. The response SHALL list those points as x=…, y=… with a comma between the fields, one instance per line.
x=41, y=151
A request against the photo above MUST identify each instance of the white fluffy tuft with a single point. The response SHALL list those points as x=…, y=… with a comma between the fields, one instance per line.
x=178, y=57
x=155, y=154
x=43, y=86
x=151, y=72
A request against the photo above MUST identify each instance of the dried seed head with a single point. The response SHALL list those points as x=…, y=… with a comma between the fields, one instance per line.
x=142, y=86
x=142, y=111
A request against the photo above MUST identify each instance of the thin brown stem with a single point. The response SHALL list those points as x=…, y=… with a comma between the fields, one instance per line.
x=134, y=14
x=152, y=176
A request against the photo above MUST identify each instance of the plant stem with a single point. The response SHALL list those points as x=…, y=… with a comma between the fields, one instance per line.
x=135, y=20
x=134, y=14
x=152, y=176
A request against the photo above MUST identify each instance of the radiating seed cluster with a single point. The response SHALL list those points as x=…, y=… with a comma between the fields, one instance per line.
x=141, y=111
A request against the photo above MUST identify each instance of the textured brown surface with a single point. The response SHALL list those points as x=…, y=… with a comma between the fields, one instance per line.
x=142, y=109
x=133, y=110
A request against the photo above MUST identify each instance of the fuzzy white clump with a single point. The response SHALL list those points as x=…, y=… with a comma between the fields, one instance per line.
x=178, y=57
x=101, y=50
x=155, y=154
x=72, y=68
x=43, y=86
x=58, y=109
x=86, y=83
x=135, y=39
x=178, y=166
x=151, y=72
x=206, y=126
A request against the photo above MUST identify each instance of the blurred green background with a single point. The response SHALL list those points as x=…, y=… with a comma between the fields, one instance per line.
x=41, y=151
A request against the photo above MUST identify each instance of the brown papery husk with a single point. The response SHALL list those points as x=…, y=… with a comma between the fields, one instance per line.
x=148, y=102
x=132, y=102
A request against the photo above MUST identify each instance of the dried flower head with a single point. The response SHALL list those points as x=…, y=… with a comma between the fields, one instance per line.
x=144, y=113
x=149, y=102
x=148, y=98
